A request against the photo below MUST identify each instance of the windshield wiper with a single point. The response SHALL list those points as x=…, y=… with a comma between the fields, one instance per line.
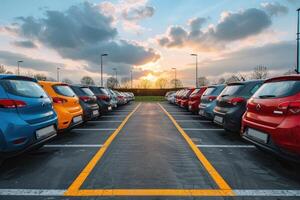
x=225, y=95
x=266, y=96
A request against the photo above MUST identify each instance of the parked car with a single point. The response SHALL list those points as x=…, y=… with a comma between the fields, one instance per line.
x=121, y=98
x=171, y=98
x=209, y=100
x=179, y=96
x=27, y=116
x=184, y=103
x=272, y=118
x=113, y=98
x=103, y=98
x=65, y=103
x=168, y=94
x=194, y=99
x=88, y=102
x=231, y=104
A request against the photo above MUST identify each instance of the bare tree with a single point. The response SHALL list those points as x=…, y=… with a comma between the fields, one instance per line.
x=221, y=80
x=161, y=83
x=290, y=72
x=176, y=82
x=40, y=77
x=233, y=78
x=260, y=72
x=125, y=82
x=68, y=81
x=112, y=82
x=202, y=81
x=87, y=80
x=145, y=84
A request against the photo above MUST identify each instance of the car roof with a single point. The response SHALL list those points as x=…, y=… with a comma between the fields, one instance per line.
x=245, y=82
x=12, y=76
x=284, y=78
x=52, y=83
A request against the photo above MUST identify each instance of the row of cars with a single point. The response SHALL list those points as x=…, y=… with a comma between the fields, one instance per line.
x=265, y=112
x=33, y=112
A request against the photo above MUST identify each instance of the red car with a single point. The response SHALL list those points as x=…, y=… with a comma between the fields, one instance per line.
x=178, y=96
x=271, y=121
x=194, y=99
x=184, y=103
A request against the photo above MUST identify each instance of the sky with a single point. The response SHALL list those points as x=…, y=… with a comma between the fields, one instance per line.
x=149, y=37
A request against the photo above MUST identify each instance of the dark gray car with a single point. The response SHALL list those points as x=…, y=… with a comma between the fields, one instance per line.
x=231, y=104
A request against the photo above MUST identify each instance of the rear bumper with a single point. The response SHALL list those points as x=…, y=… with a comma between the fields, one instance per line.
x=88, y=112
x=194, y=106
x=274, y=149
x=207, y=111
x=231, y=120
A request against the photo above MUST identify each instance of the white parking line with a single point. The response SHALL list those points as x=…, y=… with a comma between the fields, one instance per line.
x=72, y=145
x=203, y=129
x=238, y=193
x=224, y=146
x=194, y=120
x=103, y=121
x=93, y=129
x=31, y=192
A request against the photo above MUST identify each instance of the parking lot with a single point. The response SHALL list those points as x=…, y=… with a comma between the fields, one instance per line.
x=152, y=151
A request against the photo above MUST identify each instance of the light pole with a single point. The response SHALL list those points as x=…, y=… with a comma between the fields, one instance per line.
x=20, y=61
x=175, y=80
x=102, y=55
x=196, y=55
x=298, y=69
x=57, y=73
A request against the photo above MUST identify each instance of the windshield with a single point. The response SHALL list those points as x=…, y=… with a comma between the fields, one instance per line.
x=278, y=89
x=23, y=88
x=87, y=91
x=209, y=91
x=64, y=90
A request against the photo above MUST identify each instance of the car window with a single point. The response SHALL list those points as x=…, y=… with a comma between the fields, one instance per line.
x=87, y=91
x=195, y=91
x=209, y=91
x=231, y=90
x=64, y=90
x=23, y=88
x=278, y=89
x=255, y=88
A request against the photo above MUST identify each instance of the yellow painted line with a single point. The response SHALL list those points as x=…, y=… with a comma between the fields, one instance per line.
x=75, y=186
x=207, y=165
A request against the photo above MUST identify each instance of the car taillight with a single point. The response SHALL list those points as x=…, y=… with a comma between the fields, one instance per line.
x=211, y=98
x=103, y=97
x=234, y=101
x=59, y=100
x=10, y=103
x=85, y=98
x=292, y=106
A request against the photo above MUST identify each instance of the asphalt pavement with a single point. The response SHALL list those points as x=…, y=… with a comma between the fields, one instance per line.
x=148, y=151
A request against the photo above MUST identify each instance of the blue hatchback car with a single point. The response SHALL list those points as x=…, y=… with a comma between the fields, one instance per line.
x=208, y=100
x=27, y=118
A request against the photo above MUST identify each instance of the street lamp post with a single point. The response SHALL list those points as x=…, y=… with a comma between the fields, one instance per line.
x=298, y=69
x=175, y=80
x=57, y=73
x=102, y=55
x=196, y=55
x=20, y=61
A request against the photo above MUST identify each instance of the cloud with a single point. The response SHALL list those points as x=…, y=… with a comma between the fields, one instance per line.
x=138, y=13
x=82, y=32
x=10, y=58
x=275, y=8
x=231, y=27
x=25, y=44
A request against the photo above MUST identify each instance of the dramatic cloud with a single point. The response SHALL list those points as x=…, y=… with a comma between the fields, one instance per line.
x=10, y=58
x=275, y=9
x=83, y=33
x=25, y=44
x=231, y=27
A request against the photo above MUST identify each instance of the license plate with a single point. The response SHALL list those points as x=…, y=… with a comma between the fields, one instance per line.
x=44, y=132
x=218, y=119
x=109, y=108
x=257, y=135
x=95, y=112
x=190, y=107
x=201, y=112
x=77, y=119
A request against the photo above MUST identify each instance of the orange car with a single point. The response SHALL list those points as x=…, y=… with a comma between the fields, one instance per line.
x=65, y=103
